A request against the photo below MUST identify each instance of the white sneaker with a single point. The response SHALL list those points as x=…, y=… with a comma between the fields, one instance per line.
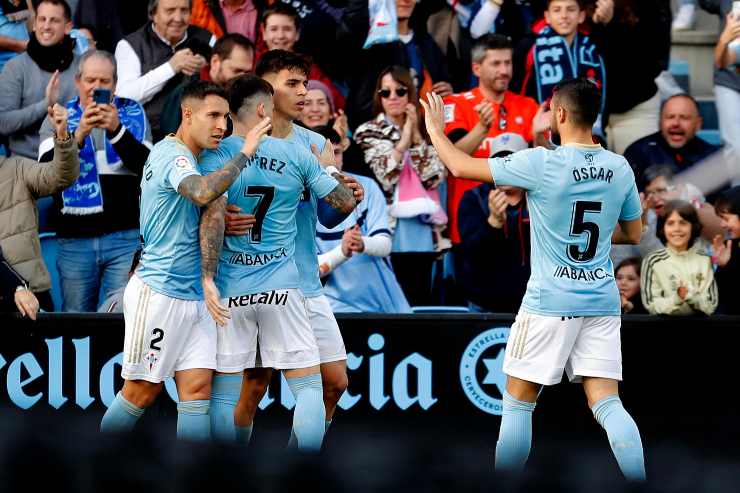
x=685, y=18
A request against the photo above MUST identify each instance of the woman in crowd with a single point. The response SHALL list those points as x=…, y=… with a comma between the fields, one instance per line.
x=677, y=279
x=409, y=171
x=628, y=282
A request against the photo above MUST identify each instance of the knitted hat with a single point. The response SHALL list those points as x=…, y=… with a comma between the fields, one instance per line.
x=315, y=84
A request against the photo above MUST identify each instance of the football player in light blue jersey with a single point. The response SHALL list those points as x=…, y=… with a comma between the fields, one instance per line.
x=168, y=331
x=287, y=73
x=356, y=252
x=581, y=198
x=257, y=272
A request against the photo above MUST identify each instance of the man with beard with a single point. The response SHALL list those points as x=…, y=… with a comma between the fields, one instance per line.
x=581, y=198
x=676, y=144
x=39, y=78
x=474, y=118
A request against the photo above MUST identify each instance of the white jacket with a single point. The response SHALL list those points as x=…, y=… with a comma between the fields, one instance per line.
x=664, y=270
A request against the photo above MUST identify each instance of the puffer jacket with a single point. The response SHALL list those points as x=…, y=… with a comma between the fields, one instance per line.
x=22, y=181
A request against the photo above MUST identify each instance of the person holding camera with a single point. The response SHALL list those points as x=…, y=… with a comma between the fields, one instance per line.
x=97, y=218
x=159, y=56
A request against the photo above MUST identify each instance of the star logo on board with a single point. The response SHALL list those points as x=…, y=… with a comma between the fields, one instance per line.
x=495, y=369
x=481, y=370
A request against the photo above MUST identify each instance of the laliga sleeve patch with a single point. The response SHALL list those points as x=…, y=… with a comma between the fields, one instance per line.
x=184, y=163
x=449, y=113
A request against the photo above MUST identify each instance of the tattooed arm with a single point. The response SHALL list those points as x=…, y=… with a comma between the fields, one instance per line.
x=202, y=190
x=211, y=240
x=341, y=198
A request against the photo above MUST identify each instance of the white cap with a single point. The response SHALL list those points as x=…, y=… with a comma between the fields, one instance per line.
x=508, y=142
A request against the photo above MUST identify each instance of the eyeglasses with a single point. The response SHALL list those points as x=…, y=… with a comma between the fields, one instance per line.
x=659, y=191
x=386, y=93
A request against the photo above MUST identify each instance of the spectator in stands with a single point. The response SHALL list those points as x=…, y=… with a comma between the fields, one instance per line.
x=395, y=147
x=678, y=279
x=627, y=274
x=97, y=218
x=160, y=56
x=676, y=143
x=22, y=182
x=228, y=16
x=233, y=55
x=492, y=264
x=38, y=78
x=114, y=302
x=635, y=46
x=416, y=50
x=281, y=30
x=353, y=255
x=727, y=80
x=563, y=49
x=14, y=293
x=727, y=252
x=13, y=30
x=475, y=117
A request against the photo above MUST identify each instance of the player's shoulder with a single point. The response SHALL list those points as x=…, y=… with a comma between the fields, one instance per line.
x=306, y=136
x=171, y=150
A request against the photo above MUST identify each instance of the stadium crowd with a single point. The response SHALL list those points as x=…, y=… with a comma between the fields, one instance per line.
x=112, y=73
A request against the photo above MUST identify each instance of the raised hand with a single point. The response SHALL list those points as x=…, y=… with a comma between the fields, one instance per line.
x=255, y=135
x=58, y=115
x=322, y=157
x=442, y=88
x=604, y=12
x=357, y=191
x=497, y=207
x=109, y=117
x=722, y=250
x=52, y=89
x=434, y=114
x=485, y=114
x=541, y=120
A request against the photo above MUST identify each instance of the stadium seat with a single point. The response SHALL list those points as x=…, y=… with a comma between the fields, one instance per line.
x=711, y=136
x=440, y=309
x=680, y=71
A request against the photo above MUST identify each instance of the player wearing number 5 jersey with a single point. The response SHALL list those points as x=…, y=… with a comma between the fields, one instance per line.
x=266, y=323
x=168, y=331
x=569, y=319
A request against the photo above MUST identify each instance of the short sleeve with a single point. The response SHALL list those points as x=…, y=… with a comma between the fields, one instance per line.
x=377, y=211
x=522, y=169
x=178, y=169
x=317, y=179
x=631, y=208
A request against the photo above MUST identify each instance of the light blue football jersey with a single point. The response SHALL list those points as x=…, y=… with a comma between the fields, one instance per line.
x=306, y=256
x=170, y=260
x=363, y=283
x=270, y=187
x=575, y=194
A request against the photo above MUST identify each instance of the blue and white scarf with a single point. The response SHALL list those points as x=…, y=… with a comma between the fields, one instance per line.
x=85, y=196
x=555, y=61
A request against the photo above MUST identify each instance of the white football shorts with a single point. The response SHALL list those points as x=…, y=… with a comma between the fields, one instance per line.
x=541, y=347
x=267, y=330
x=326, y=330
x=164, y=335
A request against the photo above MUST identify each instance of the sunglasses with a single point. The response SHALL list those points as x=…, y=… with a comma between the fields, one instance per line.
x=400, y=92
x=502, y=118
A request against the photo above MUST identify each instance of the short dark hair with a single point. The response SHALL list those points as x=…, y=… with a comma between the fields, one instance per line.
x=282, y=8
x=656, y=171
x=274, y=61
x=582, y=99
x=244, y=88
x=491, y=41
x=687, y=212
x=200, y=89
x=680, y=95
x=728, y=201
x=328, y=132
x=581, y=4
x=635, y=262
x=62, y=3
x=225, y=45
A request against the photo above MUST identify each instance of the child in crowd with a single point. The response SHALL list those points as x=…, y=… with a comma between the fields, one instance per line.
x=727, y=252
x=628, y=282
x=677, y=279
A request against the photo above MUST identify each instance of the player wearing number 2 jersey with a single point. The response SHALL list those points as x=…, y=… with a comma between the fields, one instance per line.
x=569, y=319
x=267, y=322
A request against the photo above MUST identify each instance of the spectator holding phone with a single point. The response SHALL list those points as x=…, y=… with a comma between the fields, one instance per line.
x=678, y=279
x=726, y=252
x=157, y=58
x=97, y=217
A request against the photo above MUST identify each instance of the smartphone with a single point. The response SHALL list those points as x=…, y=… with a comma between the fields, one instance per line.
x=101, y=96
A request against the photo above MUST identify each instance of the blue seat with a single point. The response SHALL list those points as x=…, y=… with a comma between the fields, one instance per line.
x=708, y=113
x=711, y=136
x=680, y=71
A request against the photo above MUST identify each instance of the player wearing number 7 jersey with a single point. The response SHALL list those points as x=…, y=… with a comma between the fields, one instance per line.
x=569, y=319
x=265, y=323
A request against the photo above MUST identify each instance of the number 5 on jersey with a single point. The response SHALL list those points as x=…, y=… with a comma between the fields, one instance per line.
x=579, y=226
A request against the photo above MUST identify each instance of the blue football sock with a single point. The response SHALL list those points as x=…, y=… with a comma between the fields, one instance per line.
x=243, y=434
x=309, y=414
x=193, y=422
x=515, y=435
x=225, y=392
x=624, y=437
x=121, y=416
